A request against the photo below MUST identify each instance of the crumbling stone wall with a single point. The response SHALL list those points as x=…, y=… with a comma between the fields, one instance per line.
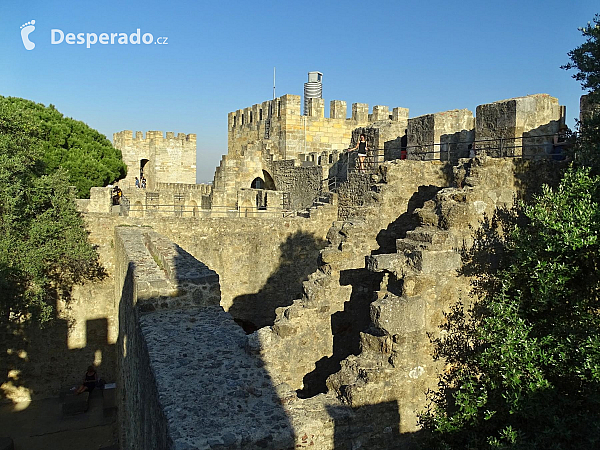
x=421, y=279
x=335, y=298
x=303, y=184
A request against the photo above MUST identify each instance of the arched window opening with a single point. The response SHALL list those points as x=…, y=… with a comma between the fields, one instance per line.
x=258, y=183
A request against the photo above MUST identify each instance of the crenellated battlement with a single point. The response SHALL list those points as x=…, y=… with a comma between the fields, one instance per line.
x=127, y=135
x=288, y=106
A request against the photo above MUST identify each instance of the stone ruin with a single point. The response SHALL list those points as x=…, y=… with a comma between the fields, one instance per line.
x=339, y=304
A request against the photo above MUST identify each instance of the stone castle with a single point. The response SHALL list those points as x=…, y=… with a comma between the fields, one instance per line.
x=291, y=303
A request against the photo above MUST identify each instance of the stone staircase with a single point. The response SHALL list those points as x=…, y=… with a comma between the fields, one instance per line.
x=323, y=200
x=421, y=280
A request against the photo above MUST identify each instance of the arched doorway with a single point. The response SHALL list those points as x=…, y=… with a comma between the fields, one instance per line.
x=143, y=163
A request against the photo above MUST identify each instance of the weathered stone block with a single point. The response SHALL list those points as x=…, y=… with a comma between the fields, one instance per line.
x=398, y=315
x=337, y=109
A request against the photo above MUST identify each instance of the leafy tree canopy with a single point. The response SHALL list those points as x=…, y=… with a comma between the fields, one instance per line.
x=43, y=243
x=586, y=58
x=88, y=158
x=524, y=363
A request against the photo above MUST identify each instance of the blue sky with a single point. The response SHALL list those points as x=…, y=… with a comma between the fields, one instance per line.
x=428, y=56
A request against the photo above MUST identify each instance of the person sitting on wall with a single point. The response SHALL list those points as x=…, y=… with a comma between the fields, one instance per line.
x=89, y=381
x=361, y=145
x=117, y=193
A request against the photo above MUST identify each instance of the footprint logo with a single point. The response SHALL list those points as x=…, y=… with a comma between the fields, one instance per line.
x=26, y=30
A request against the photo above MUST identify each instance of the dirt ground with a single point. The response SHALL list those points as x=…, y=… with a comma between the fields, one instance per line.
x=41, y=425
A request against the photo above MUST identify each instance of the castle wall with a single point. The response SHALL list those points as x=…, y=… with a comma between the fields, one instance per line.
x=527, y=122
x=427, y=133
x=312, y=140
x=261, y=262
x=293, y=135
x=154, y=279
x=303, y=183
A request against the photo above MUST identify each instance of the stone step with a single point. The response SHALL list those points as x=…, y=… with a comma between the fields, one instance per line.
x=388, y=262
x=411, y=245
x=414, y=257
x=433, y=261
x=427, y=216
x=428, y=234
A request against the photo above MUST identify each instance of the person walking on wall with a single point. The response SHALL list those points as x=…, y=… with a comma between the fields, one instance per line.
x=137, y=182
x=362, y=148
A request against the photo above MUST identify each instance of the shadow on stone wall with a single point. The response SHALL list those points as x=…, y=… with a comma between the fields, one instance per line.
x=346, y=326
x=39, y=362
x=187, y=379
x=361, y=428
x=298, y=259
x=406, y=221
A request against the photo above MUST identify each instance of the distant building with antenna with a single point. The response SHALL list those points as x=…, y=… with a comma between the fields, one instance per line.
x=313, y=88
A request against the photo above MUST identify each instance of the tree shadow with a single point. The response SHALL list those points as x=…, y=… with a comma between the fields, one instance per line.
x=298, y=259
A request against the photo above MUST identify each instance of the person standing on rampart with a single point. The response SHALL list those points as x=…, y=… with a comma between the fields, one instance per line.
x=362, y=148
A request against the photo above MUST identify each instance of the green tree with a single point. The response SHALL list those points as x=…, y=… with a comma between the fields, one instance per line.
x=87, y=156
x=43, y=243
x=524, y=362
x=585, y=59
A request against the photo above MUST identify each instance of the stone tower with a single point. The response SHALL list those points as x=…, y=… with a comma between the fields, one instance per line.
x=160, y=159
